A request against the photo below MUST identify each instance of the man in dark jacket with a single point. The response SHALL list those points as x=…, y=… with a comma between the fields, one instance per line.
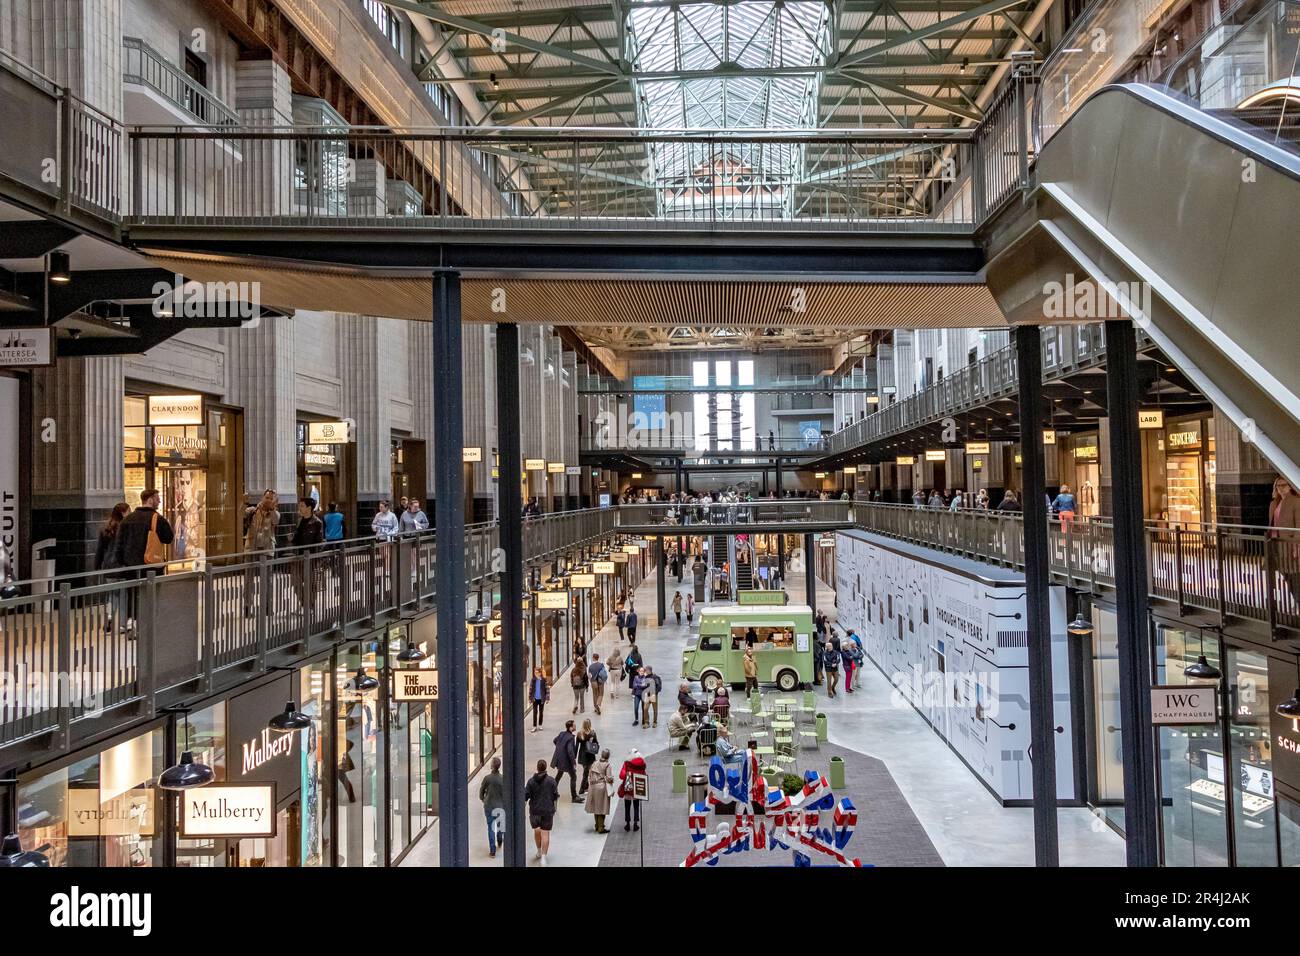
x=542, y=794
x=491, y=792
x=631, y=624
x=565, y=759
x=133, y=542
x=309, y=533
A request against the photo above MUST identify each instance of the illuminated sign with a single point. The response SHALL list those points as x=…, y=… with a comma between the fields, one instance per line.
x=127, y=814
x=602, y=567
x=471, y=454
x=1184, y=704
x=582, y=580
x=175, y=409
x=977, y=464
x=228, y=811
x=573, y=470
x=850, y=469
x=636, y=474
x=552, y=600
x=328, y=433
x=873, y=399
x=181, y=444
x=415, y=684
x=1085, y=449
x=1049, y=436
x=820, y=474
x=1188, y=437
x=534, y=464
x=631, y=549
x=319, y=455
x=1151, y=418
x=907, y=461
x=934, y=454
x=620, y=557
x=977, y=448
x=555, y=468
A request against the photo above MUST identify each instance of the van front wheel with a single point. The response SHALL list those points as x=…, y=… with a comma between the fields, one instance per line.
x=787, y=680
x=710, y=680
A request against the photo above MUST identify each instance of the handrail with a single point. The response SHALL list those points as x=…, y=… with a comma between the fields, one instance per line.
x=144, y=65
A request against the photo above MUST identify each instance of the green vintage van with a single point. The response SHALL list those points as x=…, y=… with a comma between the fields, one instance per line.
x=782, y=639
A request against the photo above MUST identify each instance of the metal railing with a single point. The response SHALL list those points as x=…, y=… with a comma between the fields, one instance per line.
x=145, y=66
x=1234, y=571
x=1065, y=349
x=859, y=181
x=77, y=646
x=798, y=515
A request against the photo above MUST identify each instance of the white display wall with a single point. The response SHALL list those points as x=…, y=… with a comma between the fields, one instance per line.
x=955, y=648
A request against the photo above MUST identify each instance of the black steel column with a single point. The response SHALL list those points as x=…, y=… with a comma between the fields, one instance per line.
x=1132, y=616
x=1042, y=716
x=661, y=576
x=810, y=573
x=449, y=519
x=514, y=669
x=778, y=478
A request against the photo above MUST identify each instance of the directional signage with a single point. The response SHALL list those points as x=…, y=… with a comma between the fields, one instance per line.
x=907, y=461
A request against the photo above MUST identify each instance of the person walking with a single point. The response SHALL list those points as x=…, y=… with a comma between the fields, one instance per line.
x=384, y=524
x=542, y=794
x=631, y=623
x=638, y=690
x=634, y=764
x=309, y=534
x=333, y=522
x=413, y=519
x=539, y=693
x=579, y=647
x=1283, y=522
x=616, y=669
x=1064, y=506
x=600, y=781
x=565, y=758
x=597, y=675
x=139, y=541
x=492, y=794
x=847, y=649
x=859, y=657
x=690, y=609
x=260, y=538
x=588, y=751
x=106, y=554
x=650, y=697
x=579, y=681
x=750, y=667
x=620, y=618
x=634, y=663
x=677, y=607
x=831, y=667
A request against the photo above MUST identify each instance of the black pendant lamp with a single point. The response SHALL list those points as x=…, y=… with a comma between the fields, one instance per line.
x=291, y=720
x=1202, y=670
x=187, y=774
x=362, y=681
x=411, y=654
x=1290, y=709
x=12, y=854
x=1079, y=627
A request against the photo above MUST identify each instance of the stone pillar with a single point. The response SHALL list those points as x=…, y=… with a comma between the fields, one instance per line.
x=77, y=477
x=263, y=381
x=365, y=401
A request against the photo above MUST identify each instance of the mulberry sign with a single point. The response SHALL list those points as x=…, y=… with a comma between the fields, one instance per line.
x=228, y=811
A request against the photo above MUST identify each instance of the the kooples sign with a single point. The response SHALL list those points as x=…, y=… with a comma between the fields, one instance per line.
x=259, y=754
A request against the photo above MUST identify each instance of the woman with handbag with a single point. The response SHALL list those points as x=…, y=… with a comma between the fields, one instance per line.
x=634, y=764
x=601, y=787
x=579, y=681
x=588, y=751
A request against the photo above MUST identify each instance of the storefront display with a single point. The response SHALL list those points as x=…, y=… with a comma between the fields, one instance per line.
x=1190, y=471
x=191, y=451
x=327, y=471
x=1087, y=473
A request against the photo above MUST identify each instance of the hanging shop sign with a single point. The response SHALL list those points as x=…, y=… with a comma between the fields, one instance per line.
x=620, y=557
x=1151, y=418
x=850, y=469
x=907, y=461
x=819, y=475
x=555, y=468
x=471, y=454
x=534, y=464
x=228, y=811
x=602, y=567
x=1049, y=436
x=319, y=455
x=573, y=471
x=415, y=684
x=328, y=433
x=552, y=600
x=1085, y=448
x=977, y=464
x=935, y=454
x=636, y=476
x=1184, y=436
x=873, y=399
x=11, y=501
x=175, y=409
x=1020, y=459
x=127, y=814
x=26, y=348
x=631, y=549
x=1184, y=704
x=582, y=580
x=977, y=448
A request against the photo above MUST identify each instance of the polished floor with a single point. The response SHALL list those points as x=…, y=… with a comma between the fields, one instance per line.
x=962, y=821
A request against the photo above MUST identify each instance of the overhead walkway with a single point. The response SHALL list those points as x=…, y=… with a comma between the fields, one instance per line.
x=1188, y=221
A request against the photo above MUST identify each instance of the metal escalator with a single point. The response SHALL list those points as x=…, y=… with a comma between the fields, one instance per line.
x=1190, y=220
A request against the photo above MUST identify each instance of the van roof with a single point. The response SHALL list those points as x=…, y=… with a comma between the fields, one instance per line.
x=756, y=610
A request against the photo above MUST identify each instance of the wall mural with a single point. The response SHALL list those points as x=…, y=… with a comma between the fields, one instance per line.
x=955, y=647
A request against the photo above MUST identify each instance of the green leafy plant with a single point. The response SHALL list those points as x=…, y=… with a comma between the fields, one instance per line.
x=791, y=783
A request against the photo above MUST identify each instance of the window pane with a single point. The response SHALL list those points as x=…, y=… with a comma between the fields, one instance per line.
x=701, y=416
x=745, y=372
x=722, y=371
x=748, y=424
x=700, y=373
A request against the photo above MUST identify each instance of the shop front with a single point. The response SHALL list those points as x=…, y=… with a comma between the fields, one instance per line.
x=1189, y=471
x=327, y=468
x=191, y=450
x=1085, y=473
x=407, y=464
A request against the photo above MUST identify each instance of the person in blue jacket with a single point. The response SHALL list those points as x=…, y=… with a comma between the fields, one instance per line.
x=333, y=521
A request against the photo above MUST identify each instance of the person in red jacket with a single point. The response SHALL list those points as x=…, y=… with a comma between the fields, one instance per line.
x=634, y=763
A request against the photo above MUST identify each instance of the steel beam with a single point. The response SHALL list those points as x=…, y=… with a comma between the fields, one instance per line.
x=1042, y=716
x=809, y=573
x=449, y=599
x=514, y=667
x=661, y=565
x=1131, y=600
x=922, y=33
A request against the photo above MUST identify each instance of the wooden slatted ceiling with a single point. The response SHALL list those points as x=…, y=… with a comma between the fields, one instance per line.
x=603, y=302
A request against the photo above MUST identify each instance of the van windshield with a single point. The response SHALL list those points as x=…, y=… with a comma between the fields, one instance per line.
x=763, y=637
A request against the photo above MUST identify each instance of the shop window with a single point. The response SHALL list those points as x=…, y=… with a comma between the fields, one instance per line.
x=204, y=734
x=1107, y=786
x=313, y=697
x=1254, y=823
x=1288, y=817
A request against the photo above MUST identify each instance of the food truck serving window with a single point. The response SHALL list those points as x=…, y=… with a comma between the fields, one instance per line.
x=766, y=637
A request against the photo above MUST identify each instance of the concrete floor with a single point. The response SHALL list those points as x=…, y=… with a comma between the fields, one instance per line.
x=962, y=819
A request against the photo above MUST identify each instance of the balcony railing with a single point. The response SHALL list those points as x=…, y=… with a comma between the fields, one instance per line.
x=1065, y=349
x=794, y=515
x=145, y=66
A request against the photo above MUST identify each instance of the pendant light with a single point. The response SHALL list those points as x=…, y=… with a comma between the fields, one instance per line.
x=12, y=853
x=1290, y=709
x=60, y=267
x=1202, y=669
x=411, y=655
x=361, y=681
x=187, y=774
x=1079, y=627
x=291, y=720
